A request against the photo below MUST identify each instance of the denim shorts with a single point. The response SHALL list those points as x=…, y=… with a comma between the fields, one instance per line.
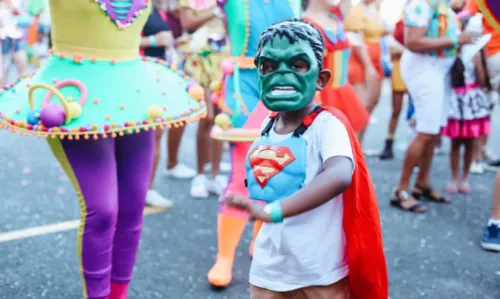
x=11, y=45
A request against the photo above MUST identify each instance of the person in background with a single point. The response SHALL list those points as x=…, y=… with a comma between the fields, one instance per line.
x=431, y=47
x=469, y=116
x=398, y=88
x=492, y=50
x=365, y=29
x=204, y=47
x=338, y=92
x=11, y=38
x=157, y=37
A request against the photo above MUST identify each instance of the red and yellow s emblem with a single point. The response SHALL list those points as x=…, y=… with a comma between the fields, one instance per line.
x=267, y=161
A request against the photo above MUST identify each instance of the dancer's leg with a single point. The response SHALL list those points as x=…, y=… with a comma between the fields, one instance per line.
x=230, y=222
x=134, y=157
x=157, y=156
x=173, y=145
x=91, y=168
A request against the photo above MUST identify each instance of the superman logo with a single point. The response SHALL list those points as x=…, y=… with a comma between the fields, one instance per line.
x=267, y=161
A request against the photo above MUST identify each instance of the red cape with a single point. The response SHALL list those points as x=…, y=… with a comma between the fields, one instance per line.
x=365, y=251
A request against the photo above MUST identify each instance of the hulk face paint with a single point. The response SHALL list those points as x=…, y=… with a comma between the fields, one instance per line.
x=288, y=73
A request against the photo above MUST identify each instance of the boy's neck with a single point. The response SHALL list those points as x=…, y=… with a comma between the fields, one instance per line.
x=294, y=117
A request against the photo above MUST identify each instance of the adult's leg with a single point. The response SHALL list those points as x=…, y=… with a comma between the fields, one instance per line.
x=173, y=145
x=397, y=104
x=374, y=90
x=154, y=198
x=20, y=58
x=423, y=184
x=91, y=168
x=134, y=158
x=496, y=198
x=157, y=156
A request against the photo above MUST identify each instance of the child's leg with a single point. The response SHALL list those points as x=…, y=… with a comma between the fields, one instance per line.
x=91, y=168
x=338, y=290
x=469, y=145
x=134, y=156
x=454, y=164
x=260, y=293
x=230, y=221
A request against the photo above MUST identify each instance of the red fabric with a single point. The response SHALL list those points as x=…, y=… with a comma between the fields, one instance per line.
x=362, y=228
x=343, y=97
x=346, y=100
x=399, y=32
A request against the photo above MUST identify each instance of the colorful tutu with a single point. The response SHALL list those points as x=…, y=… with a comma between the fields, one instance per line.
x=72, y=97
x=467, y=128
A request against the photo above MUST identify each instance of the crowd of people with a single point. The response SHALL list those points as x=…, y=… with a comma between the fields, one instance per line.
x=445, y=61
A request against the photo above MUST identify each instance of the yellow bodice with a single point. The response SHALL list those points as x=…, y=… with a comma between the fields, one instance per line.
x=82, y=27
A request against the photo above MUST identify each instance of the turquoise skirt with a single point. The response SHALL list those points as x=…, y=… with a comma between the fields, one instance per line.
x=89, y=98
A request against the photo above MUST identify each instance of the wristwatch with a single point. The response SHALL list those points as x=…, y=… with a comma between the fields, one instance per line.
x=275, y=211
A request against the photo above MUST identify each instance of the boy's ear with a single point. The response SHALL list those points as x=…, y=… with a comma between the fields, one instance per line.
x=323, y=78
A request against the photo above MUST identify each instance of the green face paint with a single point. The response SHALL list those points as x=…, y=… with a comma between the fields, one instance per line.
x=287, y=74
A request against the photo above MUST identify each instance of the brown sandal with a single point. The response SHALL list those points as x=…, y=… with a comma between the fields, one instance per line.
x=427, y=194
x=401, y=196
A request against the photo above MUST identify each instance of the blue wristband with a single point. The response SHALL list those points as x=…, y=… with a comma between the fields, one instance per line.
x=454, y=39
x=152, y=41
x=274, y=209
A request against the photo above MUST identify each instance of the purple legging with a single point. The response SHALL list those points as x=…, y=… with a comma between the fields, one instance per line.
x=111, y=178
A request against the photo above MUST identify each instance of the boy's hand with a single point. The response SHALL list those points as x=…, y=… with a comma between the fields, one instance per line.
x=254, y=210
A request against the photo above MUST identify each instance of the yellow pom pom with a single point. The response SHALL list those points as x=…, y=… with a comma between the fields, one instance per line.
x=215, y=85
x=196, y=92
x=223, y=121
x=74, y=109
x=154, y=112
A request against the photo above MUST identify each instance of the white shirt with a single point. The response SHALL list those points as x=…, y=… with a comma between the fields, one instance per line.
x=8, y=22
x=307, y=249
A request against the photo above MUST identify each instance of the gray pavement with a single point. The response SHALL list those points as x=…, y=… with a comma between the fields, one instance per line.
x=429, y=256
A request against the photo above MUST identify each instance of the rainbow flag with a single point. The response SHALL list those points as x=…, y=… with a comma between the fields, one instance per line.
x=491, y=12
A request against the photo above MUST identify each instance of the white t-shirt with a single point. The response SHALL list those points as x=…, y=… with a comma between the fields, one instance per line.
x=307, y=249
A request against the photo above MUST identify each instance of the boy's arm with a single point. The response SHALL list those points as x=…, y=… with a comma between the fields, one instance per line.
x=333, y=181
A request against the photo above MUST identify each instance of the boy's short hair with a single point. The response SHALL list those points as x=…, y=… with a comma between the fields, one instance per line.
x=294, y=30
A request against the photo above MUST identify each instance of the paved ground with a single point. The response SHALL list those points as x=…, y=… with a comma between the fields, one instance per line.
x=429, y=256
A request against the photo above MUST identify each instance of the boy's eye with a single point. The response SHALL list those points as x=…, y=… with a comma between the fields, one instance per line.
x=267, y=66
x=300, y=65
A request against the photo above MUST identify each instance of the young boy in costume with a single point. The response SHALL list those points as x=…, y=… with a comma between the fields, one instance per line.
x=321, y=236
x=243, y=113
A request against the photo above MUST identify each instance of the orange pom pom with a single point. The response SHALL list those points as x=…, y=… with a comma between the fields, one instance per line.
x=196, y=92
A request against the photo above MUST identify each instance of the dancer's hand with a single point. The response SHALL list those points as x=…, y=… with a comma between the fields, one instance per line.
x=164, y=38
x=254, y=210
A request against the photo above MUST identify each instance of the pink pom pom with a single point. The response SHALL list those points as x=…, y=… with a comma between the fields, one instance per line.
x=227, y=67
x=214, y=98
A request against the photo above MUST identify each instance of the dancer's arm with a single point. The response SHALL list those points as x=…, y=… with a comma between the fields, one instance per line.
x=190, y=21
x=418, y=15
x=161, y=39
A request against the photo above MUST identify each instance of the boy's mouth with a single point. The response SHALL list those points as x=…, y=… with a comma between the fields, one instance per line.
x=283, y=91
